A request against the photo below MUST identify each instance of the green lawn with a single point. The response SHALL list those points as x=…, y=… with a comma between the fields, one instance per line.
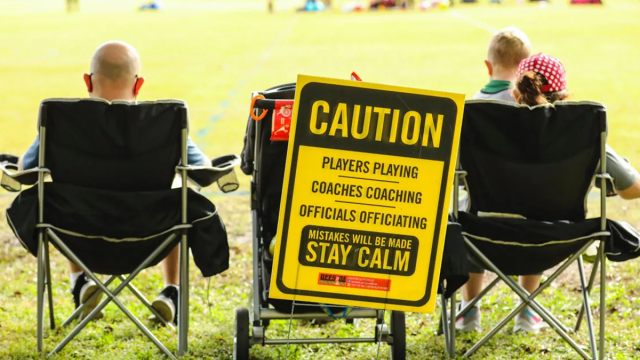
x=212, y=54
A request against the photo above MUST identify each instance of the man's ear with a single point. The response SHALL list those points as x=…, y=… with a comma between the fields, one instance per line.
x=138, y=85
x=87, y=81
x=489, y=67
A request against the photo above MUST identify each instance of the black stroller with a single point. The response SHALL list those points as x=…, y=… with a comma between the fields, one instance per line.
x=266, y=188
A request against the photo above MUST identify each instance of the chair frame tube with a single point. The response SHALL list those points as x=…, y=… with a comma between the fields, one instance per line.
x=135, y=292
x=111, y=296
x=451, y=343
x=76, y=313
x=592, y=278
x=587, y=308
x=146, y=303
x=603, y=227
x=41, y=243
x=473, y=302
x=527, y=299
x=48, y=282
x=183, y=301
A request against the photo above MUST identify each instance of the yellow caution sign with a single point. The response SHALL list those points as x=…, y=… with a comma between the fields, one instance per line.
x=366, y=194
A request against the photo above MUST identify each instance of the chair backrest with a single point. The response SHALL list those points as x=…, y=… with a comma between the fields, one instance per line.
x=536, y=162
x=121, y=146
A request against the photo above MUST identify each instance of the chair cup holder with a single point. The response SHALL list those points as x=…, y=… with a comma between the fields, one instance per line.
x=9, y=183
x=225, y=161
x=9, y=159
x=228, y=182
x=9, y=163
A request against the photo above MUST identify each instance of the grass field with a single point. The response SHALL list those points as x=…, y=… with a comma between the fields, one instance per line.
x=212, y=54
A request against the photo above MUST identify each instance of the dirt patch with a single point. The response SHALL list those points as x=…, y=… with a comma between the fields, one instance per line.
x=10, y=247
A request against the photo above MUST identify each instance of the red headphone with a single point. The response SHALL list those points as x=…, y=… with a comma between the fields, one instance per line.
x=136, y=86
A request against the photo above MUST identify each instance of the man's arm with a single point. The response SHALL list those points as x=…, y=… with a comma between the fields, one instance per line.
x=30, y=158
x=195, y=156
x=626, y=179
x=633, y=192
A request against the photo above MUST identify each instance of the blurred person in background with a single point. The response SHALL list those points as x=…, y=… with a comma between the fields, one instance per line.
x=73, y=5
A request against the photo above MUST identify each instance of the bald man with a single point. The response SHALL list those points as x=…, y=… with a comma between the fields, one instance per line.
x=114, y=76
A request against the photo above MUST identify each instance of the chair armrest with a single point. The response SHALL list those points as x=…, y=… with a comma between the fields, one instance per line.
x=221, y=171
x=610, y=190
x=9, y=158
x=12, y=179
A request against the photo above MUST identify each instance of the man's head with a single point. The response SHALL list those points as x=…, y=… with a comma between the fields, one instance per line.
x=114, y=72
x=507, y=48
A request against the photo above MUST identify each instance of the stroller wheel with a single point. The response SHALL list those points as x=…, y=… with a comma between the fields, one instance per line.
x=398, y=332
x=241, y=339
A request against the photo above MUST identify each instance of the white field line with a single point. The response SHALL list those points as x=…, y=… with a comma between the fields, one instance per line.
x=233, y=92
x=477, y=23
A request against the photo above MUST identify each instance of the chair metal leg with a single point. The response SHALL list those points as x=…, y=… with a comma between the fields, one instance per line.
x=603, y=299
x=146, y=303
x=48, y=277
x=40, y=294
x=76, y=313
x=183, y=302
x=592, y=278
x=554, y=319
x=532, y=299
x=587, y=308
x=452, y=327
x=477, y=298
x=111, y=296
x=526, y=299
x=443, y=326
x=255, y=301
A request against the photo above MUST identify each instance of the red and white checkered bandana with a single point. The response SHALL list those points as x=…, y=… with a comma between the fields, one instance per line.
x=548, y=66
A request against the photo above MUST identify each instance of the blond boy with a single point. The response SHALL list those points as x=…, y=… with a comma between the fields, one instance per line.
x=507, y=48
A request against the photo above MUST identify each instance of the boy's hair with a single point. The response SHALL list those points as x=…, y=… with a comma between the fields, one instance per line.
x=508, y=47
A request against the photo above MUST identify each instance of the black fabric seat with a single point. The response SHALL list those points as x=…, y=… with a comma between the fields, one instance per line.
x=529, y=247
x=109, y=225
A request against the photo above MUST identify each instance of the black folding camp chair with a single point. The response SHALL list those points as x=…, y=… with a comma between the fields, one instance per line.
x=110, y=208
x=538, y=163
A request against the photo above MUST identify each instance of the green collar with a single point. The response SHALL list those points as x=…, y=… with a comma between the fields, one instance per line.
x=496, y=86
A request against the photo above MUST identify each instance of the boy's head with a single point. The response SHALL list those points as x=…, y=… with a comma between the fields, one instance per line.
x=507, y=48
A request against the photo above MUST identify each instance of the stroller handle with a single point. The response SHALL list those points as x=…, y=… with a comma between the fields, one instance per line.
x=271, y=104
